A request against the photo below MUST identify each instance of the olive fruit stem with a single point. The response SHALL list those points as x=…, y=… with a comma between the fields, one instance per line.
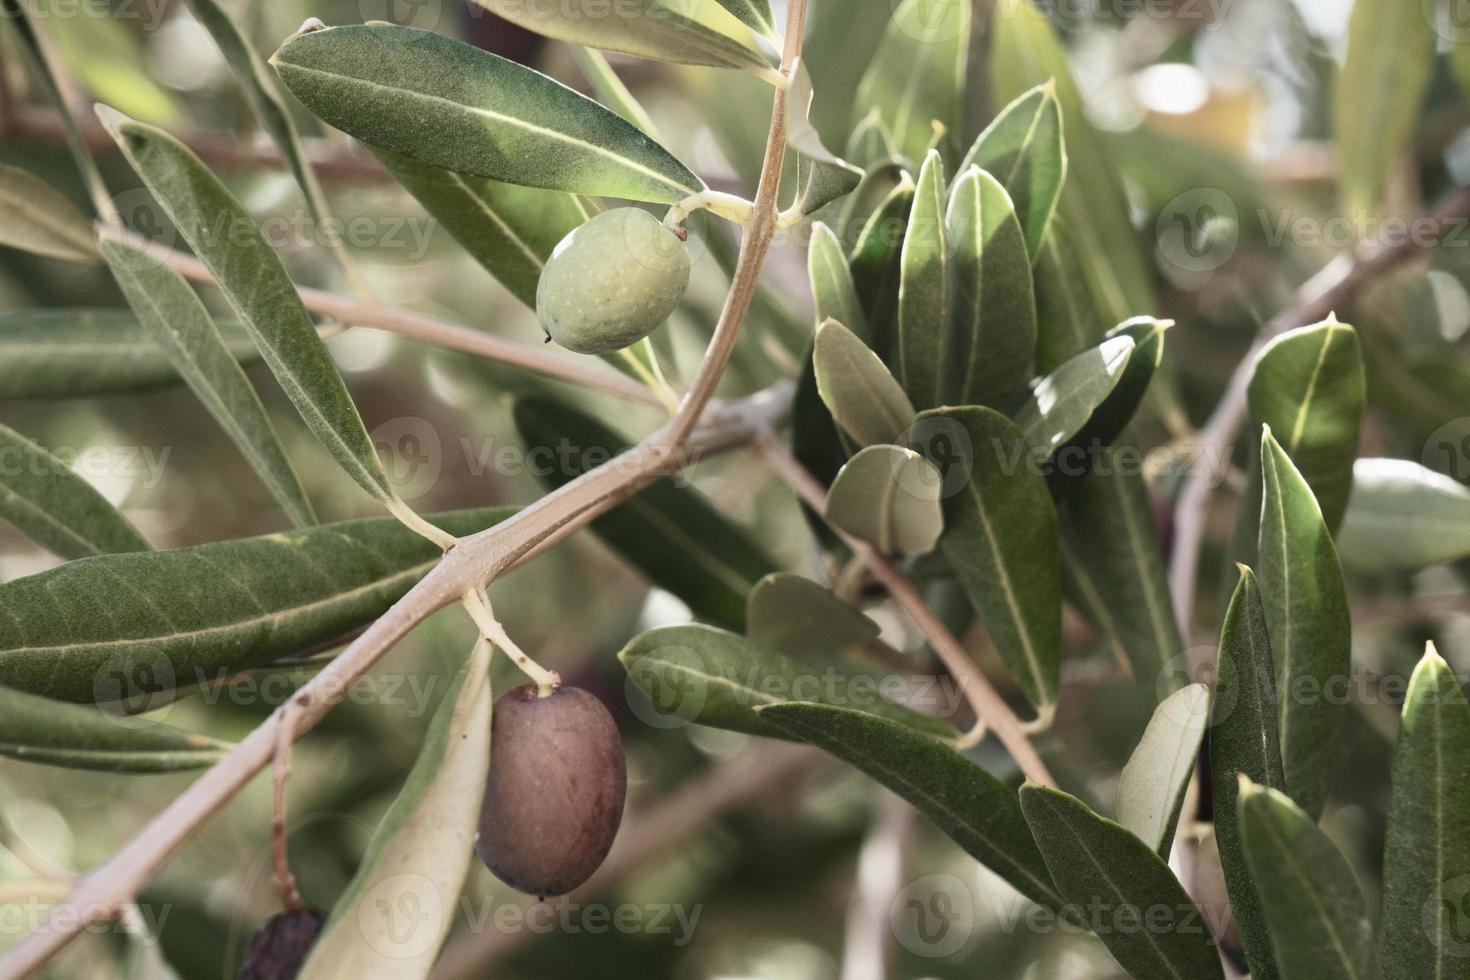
x=731, y=207
x=478, y=605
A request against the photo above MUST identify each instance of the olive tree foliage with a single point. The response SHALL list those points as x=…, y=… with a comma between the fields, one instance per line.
x=960, y=404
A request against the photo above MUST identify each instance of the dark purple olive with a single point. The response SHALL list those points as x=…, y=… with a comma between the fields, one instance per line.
x=554, y=798
x=277, y=951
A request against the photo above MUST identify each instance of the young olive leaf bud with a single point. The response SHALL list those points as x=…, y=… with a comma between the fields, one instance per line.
x=554, y=797
x=281, y=946
x=612, y=281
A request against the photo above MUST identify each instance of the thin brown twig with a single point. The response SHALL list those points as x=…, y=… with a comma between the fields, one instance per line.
x=989, y=707
x=285, y=881
x=1331, y=288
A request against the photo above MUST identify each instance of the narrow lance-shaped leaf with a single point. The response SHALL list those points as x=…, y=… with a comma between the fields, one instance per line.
x=75, y=633
x=917, y=78
x=672, y=534
x=55, y=507
x=976, y=810
x=53, y=733
x=1152, y=787
x=874, y=262
x=258, y=83
x=1313, y=905
x=857, y=388
x=1064, y=401
x=1403, y=516
x=692, y=32
x=1307, y=616
x=706, y=676
x=73, y=353
x=921, y=289
x=797, y=616
x=451, y=105
x=1379, y=95
x=610, y=90
x=37, y=218
x=1143, y=915
x=168, y=308
x=257, y=287
x=1244, y=741
x=1308, y=386
x=1000, y=538
x=1117, y=410
x=889, y=497
x=821, y=176
x=991, y=339
x=1426, y=860
x=833, y=290
x=1023, y=148
x=421, y=852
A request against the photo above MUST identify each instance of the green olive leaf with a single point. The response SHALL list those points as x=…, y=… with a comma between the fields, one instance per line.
x=1000, y=538
x=1104, y=870
x=73, y=353
x=797, y=616
x=821, y=176
x=690, y=32
x=450, y=105
x=917, y=78
x=421, y=852
x=54, y=733
x=670, y=533
x=755, y=14
x=1067, y=318
x=1307, y=617
x=1117, y=410
x=610, y=90
x=857, y=388
x=1023, y=148
x=1245, y=741
x=1064, y=401
x=37, y=218
x=889, y=497
x=181, y=326
x=1313, y=904
x=990, y=344
x=1402, y=517
x=976, y=810
x=1307, y=385
x=55, y=507
x=874, y=257
x=1426, y=859
x=871, y=142
x=1025, y=52
x=1151, y=789
x=1379, y=94
x=833, y=291
x=922, y=310
x=251, y=276
x=706, y=676
x=127, y=626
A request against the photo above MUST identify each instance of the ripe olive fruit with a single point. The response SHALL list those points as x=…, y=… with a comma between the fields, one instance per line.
x=279, y=949
x=554, y=797
x=611, y=281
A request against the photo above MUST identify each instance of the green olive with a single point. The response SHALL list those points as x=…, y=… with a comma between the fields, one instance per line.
x=554, y=797
x=612, y=281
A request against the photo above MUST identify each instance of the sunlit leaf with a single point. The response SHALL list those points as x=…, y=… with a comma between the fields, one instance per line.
x=55, y=507
x=755, y=14
x=1313, y=905
x=36, y=218
x=1000, y=538
x=821, y=176
x=448, y=104
x=1244, y=740
x=54, y=733
x=671, y=533
x=1426, y=859
x=1402, y=517
x=706, y=676
x=1023, y=148
x=922, y=311
x=917, y=78
x=1307, y=616
x=857, y=388
x=991, y=342
x=1064, y=401
x=181, y=326
x=421, y=851
x=833, y=290
x=1151, y=789
x=127, y=626
x=976, y=810
x=889, y=497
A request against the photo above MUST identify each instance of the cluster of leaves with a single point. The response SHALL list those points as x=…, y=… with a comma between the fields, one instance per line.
x=976, y=363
